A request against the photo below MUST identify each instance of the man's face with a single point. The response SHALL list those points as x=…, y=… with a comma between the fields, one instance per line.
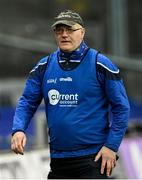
x=68, y=39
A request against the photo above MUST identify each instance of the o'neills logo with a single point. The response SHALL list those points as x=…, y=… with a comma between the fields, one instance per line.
x=66, y=79
x=64, y=100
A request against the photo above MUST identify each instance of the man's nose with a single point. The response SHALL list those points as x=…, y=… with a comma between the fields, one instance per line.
x=64, y=32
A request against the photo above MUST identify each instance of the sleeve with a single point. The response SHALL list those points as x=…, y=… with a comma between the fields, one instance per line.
x=110, y=79
x=30, y=99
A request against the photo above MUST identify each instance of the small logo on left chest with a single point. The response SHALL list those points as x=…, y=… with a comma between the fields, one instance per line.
x=54, y=81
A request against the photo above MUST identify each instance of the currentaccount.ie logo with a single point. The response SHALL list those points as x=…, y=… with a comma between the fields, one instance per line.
x=64, y=100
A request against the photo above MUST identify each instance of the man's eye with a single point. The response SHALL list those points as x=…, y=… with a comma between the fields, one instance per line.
x=59, y=29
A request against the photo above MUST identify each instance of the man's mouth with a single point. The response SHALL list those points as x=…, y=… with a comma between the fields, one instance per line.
x=65, y=41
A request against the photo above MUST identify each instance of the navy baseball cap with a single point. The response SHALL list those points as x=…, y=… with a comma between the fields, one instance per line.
x=69, y=18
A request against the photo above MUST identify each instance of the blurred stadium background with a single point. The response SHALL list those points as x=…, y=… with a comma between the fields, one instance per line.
x=114, y=27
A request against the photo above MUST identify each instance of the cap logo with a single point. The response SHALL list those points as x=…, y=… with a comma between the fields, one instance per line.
x=64, y=15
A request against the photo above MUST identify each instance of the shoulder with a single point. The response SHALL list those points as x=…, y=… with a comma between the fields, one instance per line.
x=40, y=65
x=104, y=62
x=43, y=61
x=107, y=68
x=39, y=68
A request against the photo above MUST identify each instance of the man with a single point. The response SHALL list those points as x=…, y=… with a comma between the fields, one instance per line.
x=80, y=88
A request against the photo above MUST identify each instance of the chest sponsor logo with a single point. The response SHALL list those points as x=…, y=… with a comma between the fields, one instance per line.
x=64, y=100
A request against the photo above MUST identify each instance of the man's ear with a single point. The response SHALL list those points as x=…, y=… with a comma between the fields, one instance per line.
x=83, y=32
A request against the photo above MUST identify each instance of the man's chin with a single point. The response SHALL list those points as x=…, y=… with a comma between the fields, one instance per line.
x=66, y=49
